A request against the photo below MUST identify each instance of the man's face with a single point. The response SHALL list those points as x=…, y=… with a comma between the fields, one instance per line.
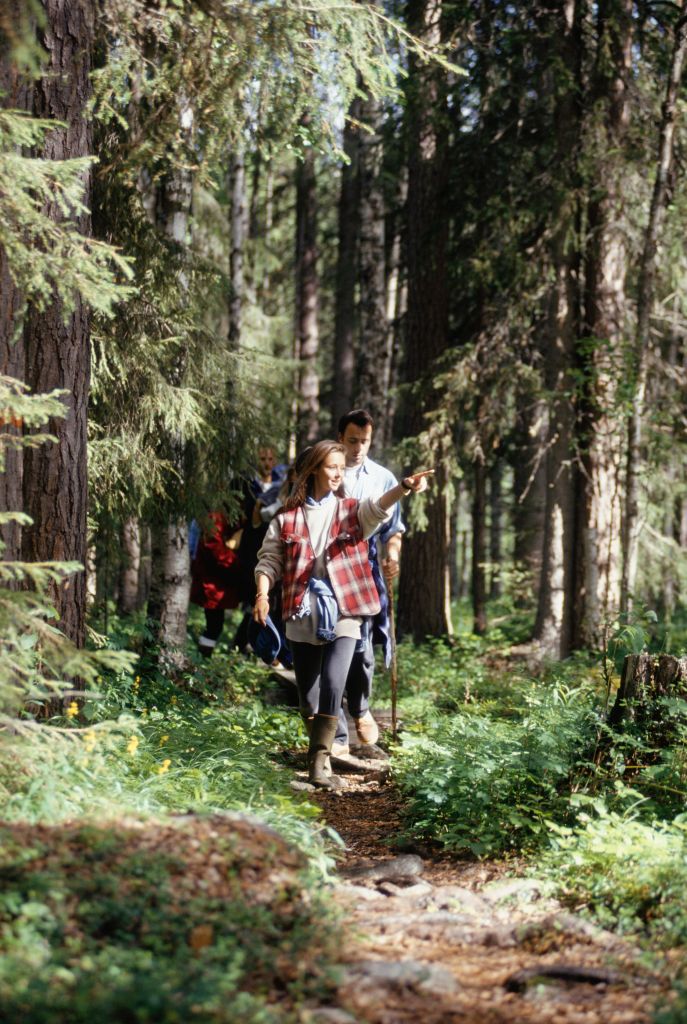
x=356, y=441
x=266, y=462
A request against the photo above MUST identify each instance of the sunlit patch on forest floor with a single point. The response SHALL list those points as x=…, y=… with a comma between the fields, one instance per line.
x=437, y=940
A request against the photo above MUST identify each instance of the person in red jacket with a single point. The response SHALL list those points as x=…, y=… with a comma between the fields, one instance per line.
x=216, y=576
x=317, y=547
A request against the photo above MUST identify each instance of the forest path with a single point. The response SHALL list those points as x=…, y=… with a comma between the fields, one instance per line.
x=434, y=940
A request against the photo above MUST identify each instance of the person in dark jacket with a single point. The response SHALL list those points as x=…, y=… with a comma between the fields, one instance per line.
x=216, y=576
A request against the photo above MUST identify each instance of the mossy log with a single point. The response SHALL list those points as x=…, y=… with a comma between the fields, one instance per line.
x=646, y=679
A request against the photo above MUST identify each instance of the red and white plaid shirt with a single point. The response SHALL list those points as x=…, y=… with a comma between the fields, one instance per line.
x=346, y=558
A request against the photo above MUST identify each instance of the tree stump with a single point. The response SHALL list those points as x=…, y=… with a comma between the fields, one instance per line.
x=645, y=681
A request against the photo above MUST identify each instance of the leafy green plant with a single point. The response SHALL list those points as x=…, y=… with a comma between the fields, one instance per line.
x=631, y=874
x=486, y=785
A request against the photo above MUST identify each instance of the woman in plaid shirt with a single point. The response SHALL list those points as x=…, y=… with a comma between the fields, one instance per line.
x=317, y=547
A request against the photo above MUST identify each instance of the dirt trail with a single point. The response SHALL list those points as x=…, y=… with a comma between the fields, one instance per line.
x=434, y=940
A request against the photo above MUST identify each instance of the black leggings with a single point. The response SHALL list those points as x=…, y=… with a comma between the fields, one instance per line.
x=214, y=622
x=321, y=673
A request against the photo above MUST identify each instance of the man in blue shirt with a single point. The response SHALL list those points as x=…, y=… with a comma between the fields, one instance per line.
x=364, y=478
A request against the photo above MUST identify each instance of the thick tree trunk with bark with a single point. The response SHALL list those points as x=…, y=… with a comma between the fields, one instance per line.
x=553, y=630
x=16, y=95
x=171, y=564
x=396, y=304
x=646, y=681
x=346, y=314
x=373, y=356
x=130, y=552
x=529, y=489
x=236, y=181
x=55, y=484
x=600, y=430
x=645, y=297
x=479, y=549
x=307, y=301
x=426, y=320
x=495, y=528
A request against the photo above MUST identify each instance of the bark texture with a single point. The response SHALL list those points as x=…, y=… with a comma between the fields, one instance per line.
x=646, y=680
x=130, y=551
x=424, y=598
x=237, y=192
x=346, y=314
x=554, y=623
x=16, y=95
x=55, y=483
x=600, y=429
x=307, y=301
x=374, y=354
x=645, y=297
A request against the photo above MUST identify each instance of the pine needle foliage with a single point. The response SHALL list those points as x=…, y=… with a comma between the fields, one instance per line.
x=48, y=255
x=36, y=660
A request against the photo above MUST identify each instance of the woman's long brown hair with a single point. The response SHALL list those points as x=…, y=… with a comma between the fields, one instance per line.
x=311, y=462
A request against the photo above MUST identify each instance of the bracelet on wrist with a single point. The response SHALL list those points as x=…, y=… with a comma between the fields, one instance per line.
x=406, y=488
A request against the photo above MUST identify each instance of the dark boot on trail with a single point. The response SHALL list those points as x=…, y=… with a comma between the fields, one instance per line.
x=322, y=734
x=308, y=723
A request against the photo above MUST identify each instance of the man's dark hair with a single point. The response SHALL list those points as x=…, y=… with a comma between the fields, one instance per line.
x=360, y=417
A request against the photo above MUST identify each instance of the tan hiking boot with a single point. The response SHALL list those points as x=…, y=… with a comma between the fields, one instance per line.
x=367, y=729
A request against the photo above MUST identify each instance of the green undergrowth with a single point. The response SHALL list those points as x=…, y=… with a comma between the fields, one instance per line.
x=496, y=762
x=146, y=745
x=199, y=920
x=129, y=892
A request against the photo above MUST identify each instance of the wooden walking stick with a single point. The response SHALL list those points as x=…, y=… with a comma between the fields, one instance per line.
x=393, y=668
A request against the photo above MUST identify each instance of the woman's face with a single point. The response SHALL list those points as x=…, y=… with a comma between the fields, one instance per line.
x=329, y=474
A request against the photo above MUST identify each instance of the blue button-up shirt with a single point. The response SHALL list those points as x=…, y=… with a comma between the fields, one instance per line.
x=371, y=481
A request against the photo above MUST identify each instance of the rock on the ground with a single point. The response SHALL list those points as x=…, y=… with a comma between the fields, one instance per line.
x=329, y=1015
x=405, y=866
x=371, y=975
x=456, y=898
x=358, y=892
x=518, y=890
x=411, y=893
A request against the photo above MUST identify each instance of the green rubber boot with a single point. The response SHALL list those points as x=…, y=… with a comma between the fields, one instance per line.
x=322, y=733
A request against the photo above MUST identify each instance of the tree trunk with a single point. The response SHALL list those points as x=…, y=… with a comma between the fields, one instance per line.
x=553, y=630
x=529, y=489
x=645, y=683
x=645, y=298
x=427, y=320
x=479, y=549
x=130, y=551
x=495, y=529
x=373, y=356
x=237, y=192
x=346, y=314
x=15, y=93
x=599, y=427
x=307, y=299
x=396, y=301
x=55, y=482
x=145, y=567
x=169, y=607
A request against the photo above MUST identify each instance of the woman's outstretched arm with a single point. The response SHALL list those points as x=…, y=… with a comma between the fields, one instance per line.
x=414, y=484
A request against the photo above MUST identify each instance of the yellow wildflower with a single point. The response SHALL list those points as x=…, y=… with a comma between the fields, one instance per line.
x=136, y=683
x=90, y=740
x=164, y=767
x=72, y=710
x=132, y=745
x=173, y=700
x=163, y=740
